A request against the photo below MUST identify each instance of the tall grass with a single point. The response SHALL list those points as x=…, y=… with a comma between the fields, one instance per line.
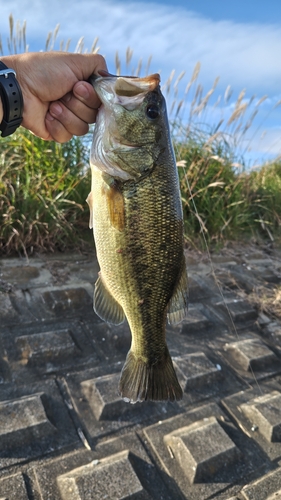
x=43, y=185
x=262, y=189
x=225, y=203
x=42, y=193
x=221, y=197
x=212, y=195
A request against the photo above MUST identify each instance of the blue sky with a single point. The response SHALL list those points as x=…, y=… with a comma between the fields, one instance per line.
x=239, y=42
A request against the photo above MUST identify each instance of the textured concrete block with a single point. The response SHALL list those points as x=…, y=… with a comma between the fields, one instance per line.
x=7, y=312
x=273, y=335
x=13, y=488
x=19, y=274
x=116, y=469
x=23, y=420
x=195, y=321
x=251, y=353
x=197, y=290
x=95, y=395
x=47, y=346
x=265, y=413
x=265, y=488
x=240, y=310
x=259, y=261
x=4, y=369
x=70, y=299
x=204, y=452
x=103, y=398
x=257, y=412
x=51, y=347
x=197, y=370
x=202, y=449
x=33, y=424
x=66, y=433
x=105, y=402
x=112, y=477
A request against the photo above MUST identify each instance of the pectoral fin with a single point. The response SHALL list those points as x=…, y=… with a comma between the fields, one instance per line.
x=89, y=200
x=116, y=207
x=105, y=306
x=178, y=305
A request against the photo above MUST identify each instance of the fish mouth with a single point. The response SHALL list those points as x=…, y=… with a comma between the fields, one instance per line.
x=108, y=86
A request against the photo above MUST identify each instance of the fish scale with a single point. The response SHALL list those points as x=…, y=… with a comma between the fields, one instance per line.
x=138, y=231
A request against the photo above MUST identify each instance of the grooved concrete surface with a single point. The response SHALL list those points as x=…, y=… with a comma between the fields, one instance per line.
x=65, y=434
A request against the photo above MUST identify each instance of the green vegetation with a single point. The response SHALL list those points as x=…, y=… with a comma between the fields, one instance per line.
x=43, y=185
x=225, y=204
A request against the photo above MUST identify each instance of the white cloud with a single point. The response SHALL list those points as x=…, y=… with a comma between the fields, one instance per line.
x=242, y=55
x=268, y=143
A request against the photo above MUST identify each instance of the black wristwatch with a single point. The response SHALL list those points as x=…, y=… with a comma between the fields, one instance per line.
x=12, y=100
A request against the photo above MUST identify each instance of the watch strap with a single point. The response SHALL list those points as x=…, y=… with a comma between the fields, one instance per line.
x=12, y=100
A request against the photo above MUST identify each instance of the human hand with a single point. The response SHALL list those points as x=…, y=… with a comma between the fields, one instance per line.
x=58, y=101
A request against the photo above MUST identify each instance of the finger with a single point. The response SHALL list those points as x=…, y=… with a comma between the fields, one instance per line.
x=56, y=129
x=85, y=93
x=84, y=104
x=71, y=122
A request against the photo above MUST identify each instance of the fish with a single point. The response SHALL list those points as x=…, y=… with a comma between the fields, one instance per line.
x=137, y=220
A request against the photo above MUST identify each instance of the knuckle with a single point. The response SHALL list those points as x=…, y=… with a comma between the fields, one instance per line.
x=100, y=61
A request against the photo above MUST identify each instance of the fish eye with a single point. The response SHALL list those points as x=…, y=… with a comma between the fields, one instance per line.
x=152, y=111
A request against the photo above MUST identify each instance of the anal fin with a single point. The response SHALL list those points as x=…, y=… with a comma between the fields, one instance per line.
x=178, y=305
x=105, y=306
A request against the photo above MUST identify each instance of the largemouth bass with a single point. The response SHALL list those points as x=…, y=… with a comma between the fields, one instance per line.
x=136, y=215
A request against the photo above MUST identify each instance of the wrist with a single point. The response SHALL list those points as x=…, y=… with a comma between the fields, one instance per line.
x=5, y=60
x=1, y=111
x=10, y=61
x=11, y=99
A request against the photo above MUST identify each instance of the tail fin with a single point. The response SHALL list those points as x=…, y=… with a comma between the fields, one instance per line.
x=142, y=381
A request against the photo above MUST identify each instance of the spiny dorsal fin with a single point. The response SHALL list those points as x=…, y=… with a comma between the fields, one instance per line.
x=178, y=305
x=105, y=306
